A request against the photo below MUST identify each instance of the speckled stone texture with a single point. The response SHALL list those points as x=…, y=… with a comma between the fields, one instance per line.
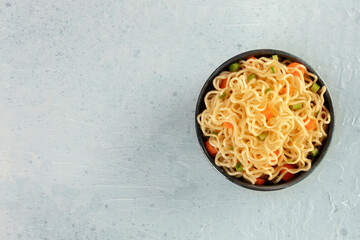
x=97, y=135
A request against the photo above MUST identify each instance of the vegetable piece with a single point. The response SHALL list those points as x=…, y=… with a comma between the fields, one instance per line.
x=234, y=67
x=273, y=69
x=231, y=148
x=251, y=58
x=315, y=88
x=317, y=113
x=267, y=90
x=296, y=73
x=262, y=136
x=211, y=150
x=260, y=181
x=311, y=125
x=314, y=152
x=284, y=90
x=222, y=95
x=251, y=76
x=228, y=125
x=213, y=132
x=239, y=167
x=223, y=83
x=288, y=175
x=275, y=57
x=268, y=112
x=277, y=154
x=296, y=106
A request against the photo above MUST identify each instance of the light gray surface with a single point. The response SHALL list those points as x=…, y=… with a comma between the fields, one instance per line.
x=97, y=130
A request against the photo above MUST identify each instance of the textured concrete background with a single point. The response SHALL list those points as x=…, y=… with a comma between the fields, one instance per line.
x=97, y=137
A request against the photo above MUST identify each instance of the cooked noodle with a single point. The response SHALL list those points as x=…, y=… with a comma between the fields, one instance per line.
x=242, y=102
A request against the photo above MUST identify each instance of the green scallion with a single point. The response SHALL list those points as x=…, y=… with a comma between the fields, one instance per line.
x=239, y=167
x=234, y=67
x=296, y=106
x=317, y=113
x=222, y=95
x=231, y=148
x=275, y=57
x=315, y=87
x=214, y=133
x=273, y=69
x=262, y=136
x=267, y=90
x=251, y=76
x=314, y=152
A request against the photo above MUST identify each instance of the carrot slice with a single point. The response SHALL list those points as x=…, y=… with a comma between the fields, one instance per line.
x=311, y=125
x=260, y=181
x=268, y=112
x=277, y=154
x=210, y=148
x=223, y=83
x=251, y=58
x=296, y=73
x=288, y=175
x=284, y=90
x=228, y=125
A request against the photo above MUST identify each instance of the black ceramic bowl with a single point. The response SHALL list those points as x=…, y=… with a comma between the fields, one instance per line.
x=200, y=106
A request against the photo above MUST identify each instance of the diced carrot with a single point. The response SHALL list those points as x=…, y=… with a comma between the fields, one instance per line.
x=223, y=83
x=288, y=175
x=296, y=73
x=277, y=154
x=210, y=148
x=284, y=90
x=251, y=60
x=260, y=181
x=268, y=112
x=228, y=125
x=311, y=125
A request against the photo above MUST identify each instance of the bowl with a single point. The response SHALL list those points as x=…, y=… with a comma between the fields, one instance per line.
x=200, y=106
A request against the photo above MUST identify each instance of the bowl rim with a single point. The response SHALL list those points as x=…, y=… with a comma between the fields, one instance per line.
x=208, y=86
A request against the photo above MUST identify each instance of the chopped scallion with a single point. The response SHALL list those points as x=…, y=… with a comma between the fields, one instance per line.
x=275, y=57
x=273, y=69
x=239, y=167
x=315, y=88
x=314, y=152
x=251, y=76
x=234, y=67
x=262, y=136
x=231, y=148
x=213, y=132
x=317, y=113
x=222, y=95
x=269, y=89
x=296, y=106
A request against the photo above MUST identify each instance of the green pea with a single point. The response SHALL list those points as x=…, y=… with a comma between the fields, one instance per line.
x=239, y=167
x=234, y=67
